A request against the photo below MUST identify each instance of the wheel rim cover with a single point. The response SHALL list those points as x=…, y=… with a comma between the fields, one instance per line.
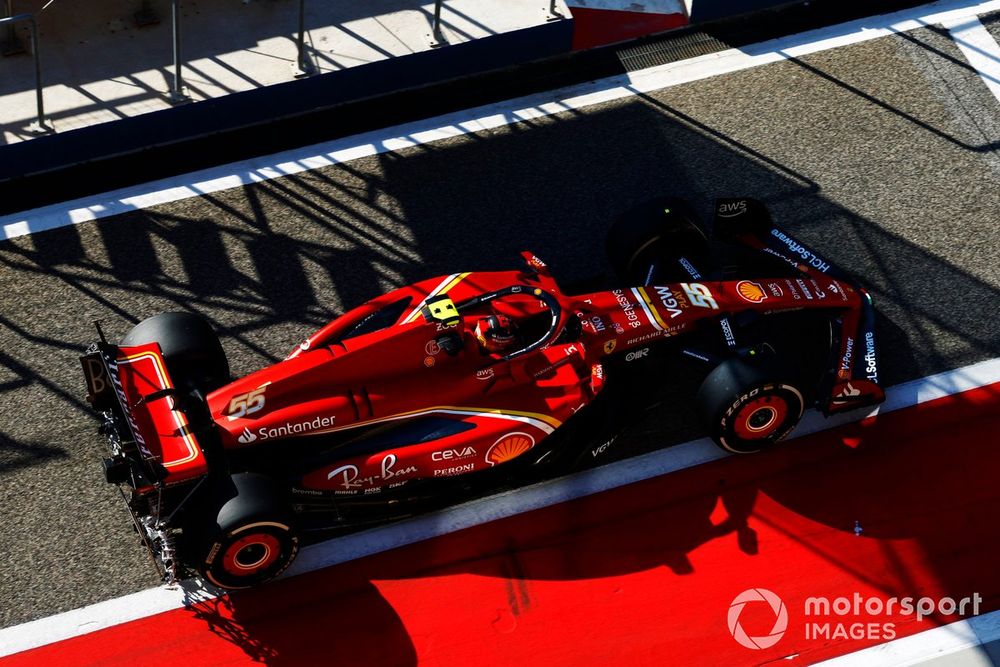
x=251, y=554
x=760, y=417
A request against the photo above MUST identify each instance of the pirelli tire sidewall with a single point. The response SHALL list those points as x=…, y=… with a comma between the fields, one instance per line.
x=759, y=401
x=250, y=554
x=243, y=534
x=748, y=407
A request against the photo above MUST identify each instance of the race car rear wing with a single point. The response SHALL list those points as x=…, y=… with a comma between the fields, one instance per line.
x=149, y=435
x=853, y=379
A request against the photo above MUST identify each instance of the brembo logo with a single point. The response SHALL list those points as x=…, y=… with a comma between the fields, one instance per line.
x=777, y=631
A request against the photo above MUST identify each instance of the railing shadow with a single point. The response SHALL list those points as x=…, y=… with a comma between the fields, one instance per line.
x=270, y=262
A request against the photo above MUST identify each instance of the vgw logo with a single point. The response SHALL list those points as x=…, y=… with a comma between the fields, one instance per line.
x=780, y=618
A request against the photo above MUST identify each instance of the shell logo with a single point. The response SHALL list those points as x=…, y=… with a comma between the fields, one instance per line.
x=750, y=291
x=509, y=447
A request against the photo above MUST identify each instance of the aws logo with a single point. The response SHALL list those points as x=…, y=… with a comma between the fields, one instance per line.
x=731, y=209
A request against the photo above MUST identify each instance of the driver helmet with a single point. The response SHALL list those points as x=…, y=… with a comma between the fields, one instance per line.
x=496, y=333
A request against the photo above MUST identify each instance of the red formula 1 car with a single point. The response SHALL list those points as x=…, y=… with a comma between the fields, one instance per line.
x=458, y=383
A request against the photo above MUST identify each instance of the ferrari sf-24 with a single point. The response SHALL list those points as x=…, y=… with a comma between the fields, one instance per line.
x=461, y=383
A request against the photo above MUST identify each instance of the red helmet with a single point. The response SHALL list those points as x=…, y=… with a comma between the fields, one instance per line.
x=496, y=333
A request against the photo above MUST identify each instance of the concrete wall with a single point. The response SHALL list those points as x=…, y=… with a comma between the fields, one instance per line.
x=207, y=117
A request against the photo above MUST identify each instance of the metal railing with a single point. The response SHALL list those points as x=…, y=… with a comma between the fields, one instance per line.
x=177, y=94
x=437, y=37
x=304, y=67
x=40, y=125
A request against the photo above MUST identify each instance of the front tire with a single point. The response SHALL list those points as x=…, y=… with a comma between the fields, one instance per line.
x=748, y=408
x=649, y=242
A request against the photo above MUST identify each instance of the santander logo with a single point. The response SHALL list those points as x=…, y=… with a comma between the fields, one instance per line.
x=780, y=618
x=247, y=437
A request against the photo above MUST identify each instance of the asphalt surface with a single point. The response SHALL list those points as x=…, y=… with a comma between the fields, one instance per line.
x=884, y=155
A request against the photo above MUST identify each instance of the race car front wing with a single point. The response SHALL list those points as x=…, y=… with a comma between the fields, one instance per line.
x=853, y=377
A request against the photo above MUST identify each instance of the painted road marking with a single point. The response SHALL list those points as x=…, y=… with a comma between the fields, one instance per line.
x=948, y=640
x=377, y=540
x=979, y=48
x=484, y=118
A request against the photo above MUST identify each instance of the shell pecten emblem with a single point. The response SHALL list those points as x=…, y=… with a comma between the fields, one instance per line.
x=750, y=291
x=509, y=447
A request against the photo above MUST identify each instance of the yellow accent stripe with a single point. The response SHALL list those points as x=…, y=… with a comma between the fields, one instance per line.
x=652, y=308
x=179, y=419
x=440, y=289
x=640, y=304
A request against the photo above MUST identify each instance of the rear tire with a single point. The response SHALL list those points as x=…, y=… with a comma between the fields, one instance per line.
x=251, y=540
x=190, y=348
x=747, y=408
x=660, y=231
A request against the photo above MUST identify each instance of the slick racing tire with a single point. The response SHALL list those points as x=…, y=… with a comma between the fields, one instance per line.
x=252, y=539
x=747, y=408
x=190, y=348
x=660, y=232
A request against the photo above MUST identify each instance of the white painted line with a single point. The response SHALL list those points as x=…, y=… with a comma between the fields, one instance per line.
x=945, y=641
x=377, y=540
x=99, y=616
x=483, y=118
x=979, y=48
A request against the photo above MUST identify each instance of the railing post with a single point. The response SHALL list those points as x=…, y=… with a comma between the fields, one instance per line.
x=437, y=37
x=553, y=14
x=40, y=102
x=177, y=95
x=304, y=67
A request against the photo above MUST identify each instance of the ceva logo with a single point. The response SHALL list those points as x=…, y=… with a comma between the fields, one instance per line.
x=780, y=618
